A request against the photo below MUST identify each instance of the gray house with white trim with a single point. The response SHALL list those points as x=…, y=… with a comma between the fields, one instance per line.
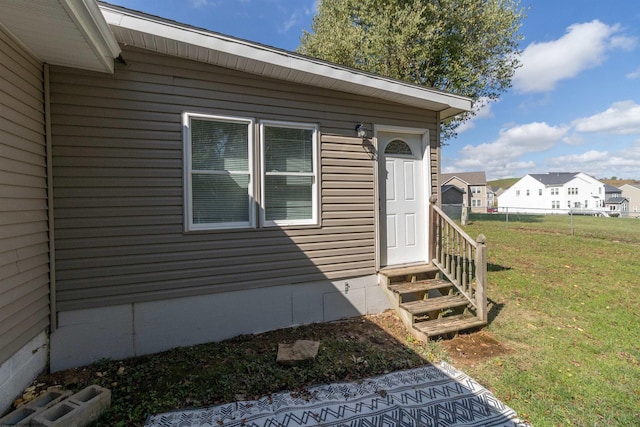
x=163, y=185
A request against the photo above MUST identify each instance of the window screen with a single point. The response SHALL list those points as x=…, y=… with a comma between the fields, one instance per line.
x=220, y=170
x=290, y=174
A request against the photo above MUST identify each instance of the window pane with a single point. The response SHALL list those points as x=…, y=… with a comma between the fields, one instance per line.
x=398, y=147
x=220, y=198
x=217, y=145
x=288, y=197
x=288, y=150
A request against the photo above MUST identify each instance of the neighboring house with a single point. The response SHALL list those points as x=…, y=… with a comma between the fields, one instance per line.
x=452, y=195
x=474, y=184
x=491, y=197
x=554, y=192
x=617, y=206
x=452, y=200
x=611, y=192
x=632, y=193
x=162, y=185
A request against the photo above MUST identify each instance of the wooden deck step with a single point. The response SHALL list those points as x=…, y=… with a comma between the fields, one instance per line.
x=449, y=324
x=420, y=286
x=408, y=270
x=417, y=308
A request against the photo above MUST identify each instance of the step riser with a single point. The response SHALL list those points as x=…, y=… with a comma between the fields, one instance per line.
x=410, y=278
x=425, y=316
x=422, y=295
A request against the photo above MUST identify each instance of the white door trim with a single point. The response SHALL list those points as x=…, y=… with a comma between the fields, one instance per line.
x=426, y=169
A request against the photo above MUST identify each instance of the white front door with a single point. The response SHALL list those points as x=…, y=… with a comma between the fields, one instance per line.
x=403, y=198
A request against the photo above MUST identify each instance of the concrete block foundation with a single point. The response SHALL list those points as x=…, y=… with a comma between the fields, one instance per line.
x=21, y=369
x=118, y=332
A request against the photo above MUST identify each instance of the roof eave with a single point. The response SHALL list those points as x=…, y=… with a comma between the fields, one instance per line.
x=169, y=37
x=89, y=20
x=71, y=33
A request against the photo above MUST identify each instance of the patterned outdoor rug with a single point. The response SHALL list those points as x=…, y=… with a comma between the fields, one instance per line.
x=429, y=396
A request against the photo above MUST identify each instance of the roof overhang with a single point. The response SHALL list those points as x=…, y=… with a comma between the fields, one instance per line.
x=172, y=38
x=72, y=33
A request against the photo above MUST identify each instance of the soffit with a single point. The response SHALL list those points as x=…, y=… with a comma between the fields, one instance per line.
x=172, y=38
x=72, y=33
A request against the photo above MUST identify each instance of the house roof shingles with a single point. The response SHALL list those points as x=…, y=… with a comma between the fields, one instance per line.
x=616, y=200
x=471, y=178
x=611, y=189
x=554, y=178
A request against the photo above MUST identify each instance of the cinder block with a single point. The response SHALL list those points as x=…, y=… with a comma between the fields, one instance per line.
x=92, y=401
x=63, y=414
x=23, y=415
x=20, y=417
x=79, y=410
x=48, y=399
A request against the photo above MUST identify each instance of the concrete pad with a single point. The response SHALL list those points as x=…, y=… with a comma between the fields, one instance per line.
x=298, y=351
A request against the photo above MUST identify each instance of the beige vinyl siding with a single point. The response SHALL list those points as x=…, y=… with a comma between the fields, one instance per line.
x=119, y=183
x=24, y=259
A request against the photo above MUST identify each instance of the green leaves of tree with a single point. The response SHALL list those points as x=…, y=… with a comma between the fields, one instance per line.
x=467, y=47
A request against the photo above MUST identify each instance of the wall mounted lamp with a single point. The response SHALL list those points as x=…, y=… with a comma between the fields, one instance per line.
x=361, y=131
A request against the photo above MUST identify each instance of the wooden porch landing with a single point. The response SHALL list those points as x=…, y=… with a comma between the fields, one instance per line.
x=428, y=305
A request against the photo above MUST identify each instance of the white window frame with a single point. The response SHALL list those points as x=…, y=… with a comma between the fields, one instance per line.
x=189, y=225
x=315, y=174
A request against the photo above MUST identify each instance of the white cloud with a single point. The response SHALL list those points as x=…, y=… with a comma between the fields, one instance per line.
x=573, y=140
x=482, y=110
x=583, y=46
x=290, y=22
x=634, y=74
x=591, y=156
x=502, y=157
x=622, y=163
x=621, y=118
x=203, y=3
x=296, y=16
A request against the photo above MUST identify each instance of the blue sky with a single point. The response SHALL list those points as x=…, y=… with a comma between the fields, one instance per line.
x=574, y=105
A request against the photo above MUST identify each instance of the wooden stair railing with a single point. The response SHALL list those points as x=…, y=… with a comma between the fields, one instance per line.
x=447, y=295
x=462, y=260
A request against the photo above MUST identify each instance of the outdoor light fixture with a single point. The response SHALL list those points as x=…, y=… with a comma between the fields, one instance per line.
x=361, y=131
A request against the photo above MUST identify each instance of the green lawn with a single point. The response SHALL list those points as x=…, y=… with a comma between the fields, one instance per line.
x=566, y=307
x=569, y=307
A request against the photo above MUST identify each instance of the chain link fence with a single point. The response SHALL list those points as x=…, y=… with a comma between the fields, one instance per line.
x=522, y=216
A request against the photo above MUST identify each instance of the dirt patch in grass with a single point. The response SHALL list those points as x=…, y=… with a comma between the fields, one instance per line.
x=468, y=349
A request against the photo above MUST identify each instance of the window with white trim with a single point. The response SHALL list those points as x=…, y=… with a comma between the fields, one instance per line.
x=289, y=173
x=219, y=173
x=218, y=177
